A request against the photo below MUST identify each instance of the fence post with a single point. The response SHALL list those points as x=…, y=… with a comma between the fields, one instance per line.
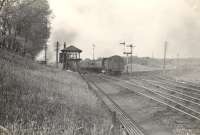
x=116, y=124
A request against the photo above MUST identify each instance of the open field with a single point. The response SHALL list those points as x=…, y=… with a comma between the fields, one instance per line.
x=37, y=99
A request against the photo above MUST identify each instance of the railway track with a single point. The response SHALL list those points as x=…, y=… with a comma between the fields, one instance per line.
x=179, y=84
x=156, y=96
x=188, y=83
x=175, y=93
x=189, y=101
x=165, y=85
x=195, y=94
x=131, y=127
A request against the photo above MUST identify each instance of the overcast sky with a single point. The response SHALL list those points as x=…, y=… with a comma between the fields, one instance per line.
x=144, y=23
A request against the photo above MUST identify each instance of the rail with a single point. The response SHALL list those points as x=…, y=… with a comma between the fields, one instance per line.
x=124, y=119
x=159, y=98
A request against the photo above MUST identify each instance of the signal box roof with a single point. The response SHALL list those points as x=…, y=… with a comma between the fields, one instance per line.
x=71, y=49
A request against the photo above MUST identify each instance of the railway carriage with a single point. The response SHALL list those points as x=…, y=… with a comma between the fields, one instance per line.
x=112, y=65
x=92, y=66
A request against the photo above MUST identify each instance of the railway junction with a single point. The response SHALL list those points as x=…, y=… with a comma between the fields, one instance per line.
x=145, y=79
x=146, y=106
x=140, y=103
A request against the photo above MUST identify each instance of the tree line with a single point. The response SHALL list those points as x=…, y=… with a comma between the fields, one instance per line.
x=24, y=25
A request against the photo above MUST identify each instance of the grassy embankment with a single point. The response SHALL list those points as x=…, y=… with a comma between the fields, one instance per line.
x=37, y=99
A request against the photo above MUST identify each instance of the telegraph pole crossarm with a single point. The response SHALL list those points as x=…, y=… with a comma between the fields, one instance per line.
x=124, y=44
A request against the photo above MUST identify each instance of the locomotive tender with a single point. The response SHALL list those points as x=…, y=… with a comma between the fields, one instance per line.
x=111, y=65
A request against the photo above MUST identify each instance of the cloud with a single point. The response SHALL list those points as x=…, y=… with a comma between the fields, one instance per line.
x=145, y=23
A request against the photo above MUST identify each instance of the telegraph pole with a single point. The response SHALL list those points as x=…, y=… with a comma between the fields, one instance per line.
x=165, y=53
x=93, y=47
x=57, y=51
x=45, y=53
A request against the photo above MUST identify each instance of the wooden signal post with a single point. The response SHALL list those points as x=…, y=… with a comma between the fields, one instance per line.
x=126, y=55
x=131, y=52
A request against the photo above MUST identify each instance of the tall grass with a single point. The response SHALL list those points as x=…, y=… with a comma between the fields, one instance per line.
x=39, y=100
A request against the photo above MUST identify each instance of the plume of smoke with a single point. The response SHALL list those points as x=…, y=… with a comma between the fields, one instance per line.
x=61, y=35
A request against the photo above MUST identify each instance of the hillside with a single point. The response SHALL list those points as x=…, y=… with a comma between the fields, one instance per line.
x=35, y=99
x=182, y=69
x=151, y=64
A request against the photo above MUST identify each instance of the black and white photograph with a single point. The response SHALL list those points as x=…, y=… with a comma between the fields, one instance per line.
x=99, y=67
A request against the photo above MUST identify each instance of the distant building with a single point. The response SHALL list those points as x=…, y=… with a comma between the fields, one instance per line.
x=70, y=58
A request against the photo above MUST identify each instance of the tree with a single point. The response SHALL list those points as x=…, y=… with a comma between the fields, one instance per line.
x=25, y=24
